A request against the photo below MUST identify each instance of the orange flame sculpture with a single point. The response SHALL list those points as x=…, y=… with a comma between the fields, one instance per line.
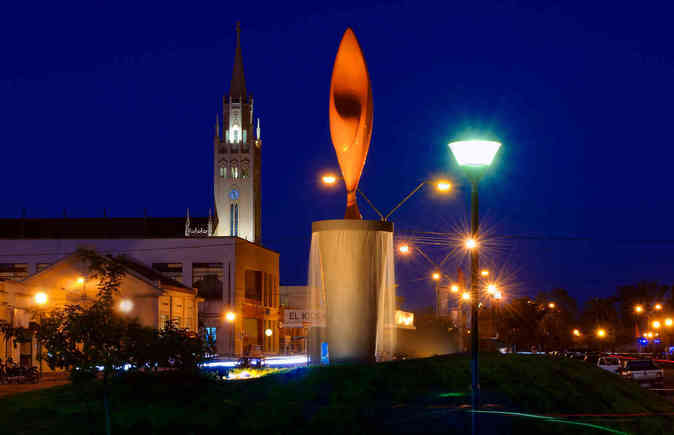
x=351, y=113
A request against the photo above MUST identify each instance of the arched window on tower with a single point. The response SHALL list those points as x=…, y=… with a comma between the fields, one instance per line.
x=235, y=169
x=222, y=168
x=245, y=167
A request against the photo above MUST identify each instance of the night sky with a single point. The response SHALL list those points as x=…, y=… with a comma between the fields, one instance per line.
x=112, y=106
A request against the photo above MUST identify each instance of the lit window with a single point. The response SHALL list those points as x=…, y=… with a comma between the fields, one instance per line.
x=223, y=169
x=235, y=169
x=244, y=169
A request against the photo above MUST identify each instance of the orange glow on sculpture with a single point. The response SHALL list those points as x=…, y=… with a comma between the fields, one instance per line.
x=351, y=114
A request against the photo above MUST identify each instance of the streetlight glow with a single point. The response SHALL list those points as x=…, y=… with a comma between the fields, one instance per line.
x=41, y=298
x=230, y=316
x=436, y=276
x=268, y=332
x=491, y=289
x=638, y=309
x=552, y=305
x=329, y=179
x=404, y=249
x=498, y=295
x=576, y=332
x=668, y=322
x=471, y=243
x=126, y=305
x=484, y=272
x=601, y=333
x=80, y=280
x=475, y=153
x=465, y=296
x=443, y=186
x=658, y=307
x=656, y=324
x=454, y=288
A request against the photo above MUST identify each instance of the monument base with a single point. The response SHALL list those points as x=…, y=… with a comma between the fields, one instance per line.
x=351, y=280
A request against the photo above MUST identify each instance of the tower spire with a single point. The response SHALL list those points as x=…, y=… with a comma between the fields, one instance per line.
x=237, y=87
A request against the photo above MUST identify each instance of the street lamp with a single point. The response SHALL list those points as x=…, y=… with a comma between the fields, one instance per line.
x=230, y=316
x=668, y=322
x=576, y=332
x=126, y=305
x=454, y=288
x=404, y=249
x=552, y=305
x=601, y=333
x=474, y=156
x=656, y=324
x=268, y=332
x=491, y=289
x=41, y=298
x=658, y=307
x=638, y=309
x=484, y=272
x=440, y=185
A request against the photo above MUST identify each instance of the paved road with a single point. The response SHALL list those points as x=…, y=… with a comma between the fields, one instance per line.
x=9, y=389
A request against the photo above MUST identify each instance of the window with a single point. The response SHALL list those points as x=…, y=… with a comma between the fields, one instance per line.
x=172, y=270
x=235, y=169
x=254, y=285
x=210, y=334
x=163, y=320
x=223, y=169
x=244, y=169
x=13, y=271
x=231, y=220
x=236, y=220
x=208, y=278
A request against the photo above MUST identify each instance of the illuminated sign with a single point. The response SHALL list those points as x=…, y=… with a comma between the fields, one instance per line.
x=303, y=318
x=404, y=320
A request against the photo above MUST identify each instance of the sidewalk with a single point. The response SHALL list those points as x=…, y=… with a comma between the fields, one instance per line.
x=48, y=381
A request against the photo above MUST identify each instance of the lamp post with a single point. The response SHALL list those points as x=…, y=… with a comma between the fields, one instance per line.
x=474, y=156
x=41, y=299
x=230, y=317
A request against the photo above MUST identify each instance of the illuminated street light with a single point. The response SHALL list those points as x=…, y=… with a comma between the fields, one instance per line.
x=668, y=322
x=474, y=156
x=454, y=288
x=638, y=309
x=552, y=305
x=656, y=324
x=465, y=296
x=230, y=316
x=329, y=179
x=126, y=305
x=443, y=186
x=404, y=249
x=491, y=289
x=658, y=307
x=80, y=280
x=268, y=332
x=576, y=332
x=498, y=295
x=436, y=276
x=601, y=333
x=41, y=298
x=484, y=272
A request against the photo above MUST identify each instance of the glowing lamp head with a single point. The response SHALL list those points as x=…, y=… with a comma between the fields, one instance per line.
x=656, y=324
x=484, y=272
x=329, y=179
x=436, y=276
x=454, y=288
x=576, y=332
x=465, y=296
x=668, y=322
x=498, y=295
x=404, y=249
x=80, y=280
x=268, y=332
x=552, y=305
x=474, y=153
x=41, y=298
x=471, y=243
x=126, y=306
x=658, y=307
x=601, y=333
x=638, y=309
x=491, y=289
x=443, y=186
x=230, y=316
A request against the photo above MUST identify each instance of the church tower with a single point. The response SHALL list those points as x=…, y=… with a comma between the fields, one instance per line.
x=237, y=163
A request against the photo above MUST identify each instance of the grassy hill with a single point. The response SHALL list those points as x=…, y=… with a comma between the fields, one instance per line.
x=521, y=394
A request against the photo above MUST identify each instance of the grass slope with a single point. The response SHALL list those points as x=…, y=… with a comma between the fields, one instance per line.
x=426, y=395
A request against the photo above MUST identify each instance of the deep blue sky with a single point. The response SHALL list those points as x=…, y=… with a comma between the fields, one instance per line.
x=112, y=106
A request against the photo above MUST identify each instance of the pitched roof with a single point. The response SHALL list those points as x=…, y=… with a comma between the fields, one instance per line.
x=152, y=275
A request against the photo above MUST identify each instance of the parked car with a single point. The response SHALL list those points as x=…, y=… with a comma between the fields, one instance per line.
x=591, y=357
x=609, y=363
x=643, y=371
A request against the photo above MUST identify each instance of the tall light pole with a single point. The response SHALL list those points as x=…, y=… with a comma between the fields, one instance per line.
x=474, y=156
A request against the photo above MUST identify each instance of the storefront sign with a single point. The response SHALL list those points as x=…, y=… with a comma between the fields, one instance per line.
x=303, y=318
